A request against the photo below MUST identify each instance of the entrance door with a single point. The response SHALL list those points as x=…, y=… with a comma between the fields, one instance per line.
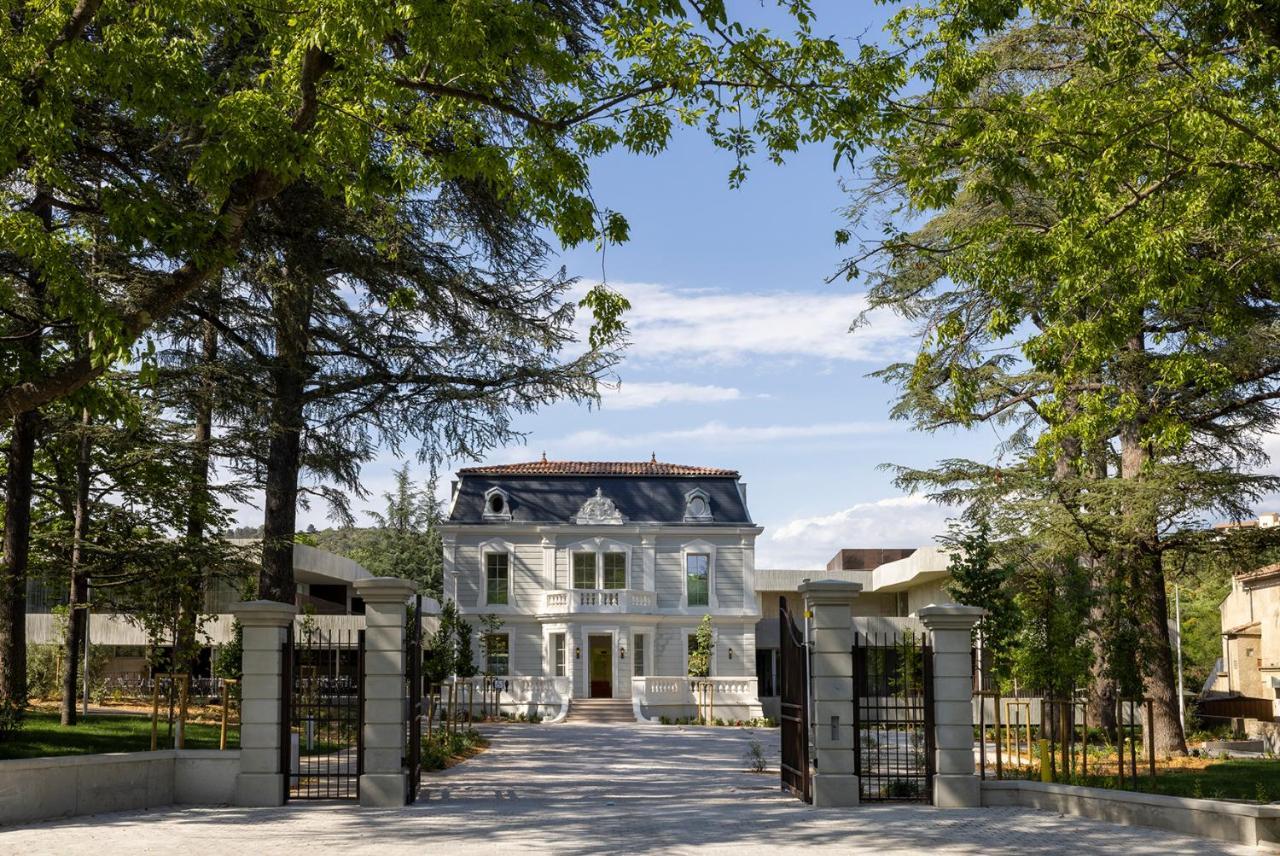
x=600, y=661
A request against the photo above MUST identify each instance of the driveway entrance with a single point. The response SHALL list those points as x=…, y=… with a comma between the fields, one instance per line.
x=586, y=789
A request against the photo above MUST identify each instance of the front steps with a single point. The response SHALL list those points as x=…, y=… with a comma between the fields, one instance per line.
x=600, y=711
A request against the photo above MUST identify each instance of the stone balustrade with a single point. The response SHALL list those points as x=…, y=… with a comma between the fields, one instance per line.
x=570, y=601
x=656, y=696
x=527, y=694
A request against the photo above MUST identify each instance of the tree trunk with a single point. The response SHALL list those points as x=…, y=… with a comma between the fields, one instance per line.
x=1141, y=557
x=13, y=571
x=79, y=593
x=17, y=495
x=291, y=301
x=199, y=503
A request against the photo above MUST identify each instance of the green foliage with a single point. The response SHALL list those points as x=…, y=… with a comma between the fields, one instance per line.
x=228, y=659
x=980, y=577
x=1052, y=653
x=45, y=665
x=490, y=624
x=700, y=652
x=442, y=747
x=464, y=663
x=406, y=541
x=363, y=102
x=1061, y=203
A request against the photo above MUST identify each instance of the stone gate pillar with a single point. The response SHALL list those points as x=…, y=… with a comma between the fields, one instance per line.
x=955, y=782
x=261, y=779
x=385, y=779
x=836, y=781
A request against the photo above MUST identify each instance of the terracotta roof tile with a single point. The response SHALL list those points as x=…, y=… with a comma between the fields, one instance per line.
x=596, y=468
x=1265, y=572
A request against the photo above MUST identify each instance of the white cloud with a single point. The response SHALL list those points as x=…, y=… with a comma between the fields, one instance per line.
x=633, y=396
x=809, y=542
x=726, y=327
x=714, y=434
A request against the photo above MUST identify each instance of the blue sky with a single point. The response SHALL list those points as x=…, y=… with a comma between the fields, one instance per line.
x=741, y=355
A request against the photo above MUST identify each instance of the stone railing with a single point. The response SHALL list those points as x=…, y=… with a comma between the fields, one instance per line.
x=599, y=600
x=548, y=697
x=677, y=697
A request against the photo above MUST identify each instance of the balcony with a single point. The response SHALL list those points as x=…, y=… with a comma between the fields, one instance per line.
x=569, y=601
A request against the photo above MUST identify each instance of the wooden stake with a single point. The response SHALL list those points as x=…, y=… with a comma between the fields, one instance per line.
x=183, y=697
x=155, y=711
x=226, y=698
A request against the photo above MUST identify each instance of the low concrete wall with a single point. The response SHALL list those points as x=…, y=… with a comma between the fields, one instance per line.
x=44, y=788
x=1256, y=825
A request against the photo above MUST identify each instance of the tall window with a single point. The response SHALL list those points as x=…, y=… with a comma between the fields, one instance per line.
x=497, y=654
x=697, y=572
x=557, y=654
x=615, y=570
x=584, y=570
x=637, y=654
x=497, y=576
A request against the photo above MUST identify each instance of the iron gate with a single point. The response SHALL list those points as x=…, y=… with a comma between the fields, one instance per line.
x=413, y=673
x=323, y=688
x=793, y=680
x=893, y=716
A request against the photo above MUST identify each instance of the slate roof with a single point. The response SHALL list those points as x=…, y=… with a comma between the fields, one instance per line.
x=653, y=493
x=596, y=468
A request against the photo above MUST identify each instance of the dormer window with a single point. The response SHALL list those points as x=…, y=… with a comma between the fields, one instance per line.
x=697, y=506
x=497, y=506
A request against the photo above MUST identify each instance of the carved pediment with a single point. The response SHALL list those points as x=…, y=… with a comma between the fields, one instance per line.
x=599, y=509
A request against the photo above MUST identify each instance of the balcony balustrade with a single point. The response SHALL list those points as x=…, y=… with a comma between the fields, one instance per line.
x=599, y=600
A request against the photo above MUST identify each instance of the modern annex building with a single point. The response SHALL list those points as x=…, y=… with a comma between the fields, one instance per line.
x=597, y=575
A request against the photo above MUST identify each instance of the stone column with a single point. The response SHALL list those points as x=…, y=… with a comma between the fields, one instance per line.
x=836, y=781
x=955, y=782
x=261, y=779
x=385, y=779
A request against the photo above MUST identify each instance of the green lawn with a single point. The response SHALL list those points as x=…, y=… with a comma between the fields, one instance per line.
x=1238, y=779
x=41, y=735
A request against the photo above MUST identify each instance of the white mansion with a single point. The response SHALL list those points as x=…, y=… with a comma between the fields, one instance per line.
x=600, y=573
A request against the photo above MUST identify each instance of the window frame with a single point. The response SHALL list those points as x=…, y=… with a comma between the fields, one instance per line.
x=599, y=548
x=696, y=548
x=498, y=547
x=489, y=589
x=639, y=645
x=488, y=652
x=573, y=569
x=604, y=570
x=688, y=577
x=559, y=654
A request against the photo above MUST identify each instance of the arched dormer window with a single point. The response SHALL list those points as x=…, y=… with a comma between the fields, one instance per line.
x=697, y=506
x=497, y=505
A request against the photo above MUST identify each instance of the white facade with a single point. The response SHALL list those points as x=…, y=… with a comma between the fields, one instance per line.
x=602, y=596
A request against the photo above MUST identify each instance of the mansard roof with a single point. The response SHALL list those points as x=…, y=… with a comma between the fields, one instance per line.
x=596, y=468
x=550, y=492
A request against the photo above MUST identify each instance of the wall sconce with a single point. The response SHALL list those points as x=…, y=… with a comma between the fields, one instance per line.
x=577, y=652
x=622, y=652
x=730, y=653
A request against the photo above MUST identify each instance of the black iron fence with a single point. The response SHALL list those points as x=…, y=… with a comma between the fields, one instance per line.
x=893, y=716
x=323, y=683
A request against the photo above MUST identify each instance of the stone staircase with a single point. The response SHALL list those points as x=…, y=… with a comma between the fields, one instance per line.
x=599, y=711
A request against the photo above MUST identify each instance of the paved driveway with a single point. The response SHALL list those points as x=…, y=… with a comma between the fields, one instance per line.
x=592, y=789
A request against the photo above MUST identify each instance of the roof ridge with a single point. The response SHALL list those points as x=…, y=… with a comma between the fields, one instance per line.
x=651, y=467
